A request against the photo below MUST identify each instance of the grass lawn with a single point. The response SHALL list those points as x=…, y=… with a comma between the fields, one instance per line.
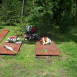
x=26, y=64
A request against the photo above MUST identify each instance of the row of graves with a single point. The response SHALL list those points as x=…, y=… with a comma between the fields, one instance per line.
x=44, y=46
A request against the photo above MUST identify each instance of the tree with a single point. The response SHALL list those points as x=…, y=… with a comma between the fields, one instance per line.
x=41, y=12
x=10, y=11
x=75, y=3
x=65, y=23
x=33, y=3
x=22, y=10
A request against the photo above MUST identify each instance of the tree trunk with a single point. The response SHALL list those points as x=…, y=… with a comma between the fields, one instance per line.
x=33, y=3
x=22, y=10
x=75, y=3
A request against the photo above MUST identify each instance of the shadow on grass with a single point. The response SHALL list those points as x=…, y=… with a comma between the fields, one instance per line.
x=29, y=42
x=49, y=59
x=73, y=37
x=58, y=38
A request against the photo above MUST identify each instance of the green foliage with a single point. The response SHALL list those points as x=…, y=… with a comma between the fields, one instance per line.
x=10, y=12
x=41, y=15
x=28, y=7
x=65, y=23
x=45, y=15
x=75, y=16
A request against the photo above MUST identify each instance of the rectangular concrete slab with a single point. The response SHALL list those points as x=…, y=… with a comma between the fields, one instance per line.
x=3, y=33
x=14, y=46
x=43, y=50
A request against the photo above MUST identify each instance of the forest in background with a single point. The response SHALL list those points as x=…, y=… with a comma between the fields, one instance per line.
x=45, y=15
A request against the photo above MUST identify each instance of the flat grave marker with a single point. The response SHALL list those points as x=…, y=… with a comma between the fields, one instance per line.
x=46, y=50
x=14, y=46
x=3, y=33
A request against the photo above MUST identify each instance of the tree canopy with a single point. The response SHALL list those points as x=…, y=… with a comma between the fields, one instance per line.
x=44, y=14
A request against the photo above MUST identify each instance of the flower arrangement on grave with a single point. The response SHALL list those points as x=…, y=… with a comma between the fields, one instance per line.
x=13, y=39
x=45, y=41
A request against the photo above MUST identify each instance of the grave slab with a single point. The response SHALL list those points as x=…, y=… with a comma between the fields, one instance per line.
x=3, y=33
x=46, y=50
x=14, y=46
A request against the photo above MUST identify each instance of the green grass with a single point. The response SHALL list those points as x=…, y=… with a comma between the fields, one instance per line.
x=26, y=64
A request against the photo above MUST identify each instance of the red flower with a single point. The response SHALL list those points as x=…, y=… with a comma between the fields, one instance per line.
x=13, y=37
x=44, y=39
